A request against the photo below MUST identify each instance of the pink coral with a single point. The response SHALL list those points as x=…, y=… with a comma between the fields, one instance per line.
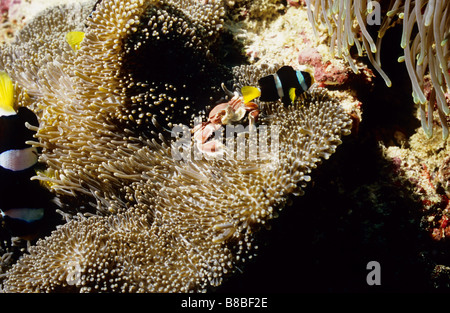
x=310, y=56
x=331, y=74
x=325, y=73
x=296, y=3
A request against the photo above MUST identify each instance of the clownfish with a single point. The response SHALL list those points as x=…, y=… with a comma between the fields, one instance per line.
x=286, y=84
x=23, y=202
x=75, y=38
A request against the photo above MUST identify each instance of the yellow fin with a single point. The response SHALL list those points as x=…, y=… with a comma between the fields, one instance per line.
x=46, y=178
x=74, y=39
x=6, y=95
x=249, y=93
x=292, y=94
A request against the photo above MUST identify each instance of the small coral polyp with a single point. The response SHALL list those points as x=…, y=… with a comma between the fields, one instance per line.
x=155, y=224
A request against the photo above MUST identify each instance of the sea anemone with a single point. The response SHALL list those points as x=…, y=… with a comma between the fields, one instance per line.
x=424, y=40
x=100, y=102
x=188, y=224
x=151, y=222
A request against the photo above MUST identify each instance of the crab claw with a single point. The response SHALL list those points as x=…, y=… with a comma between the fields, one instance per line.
x=198, y=126
x=251, y=106
x=253, y=116
x=202, y=134
x=219, y=112
x=212, y=147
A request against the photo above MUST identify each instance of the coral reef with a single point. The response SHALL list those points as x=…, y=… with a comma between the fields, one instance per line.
x=401, y=188
x=254, y=13
x=138, y=219
x=10, y=20
x=290, y=40
x=424, y=42
x=160, y=224
x=416, y=162
x=422, y=170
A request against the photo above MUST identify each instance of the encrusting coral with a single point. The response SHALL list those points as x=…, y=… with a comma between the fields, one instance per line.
x=424, y=41
x=151, y=222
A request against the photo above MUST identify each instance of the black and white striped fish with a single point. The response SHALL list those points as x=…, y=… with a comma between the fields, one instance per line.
x=23, y=202
x=286, y=84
